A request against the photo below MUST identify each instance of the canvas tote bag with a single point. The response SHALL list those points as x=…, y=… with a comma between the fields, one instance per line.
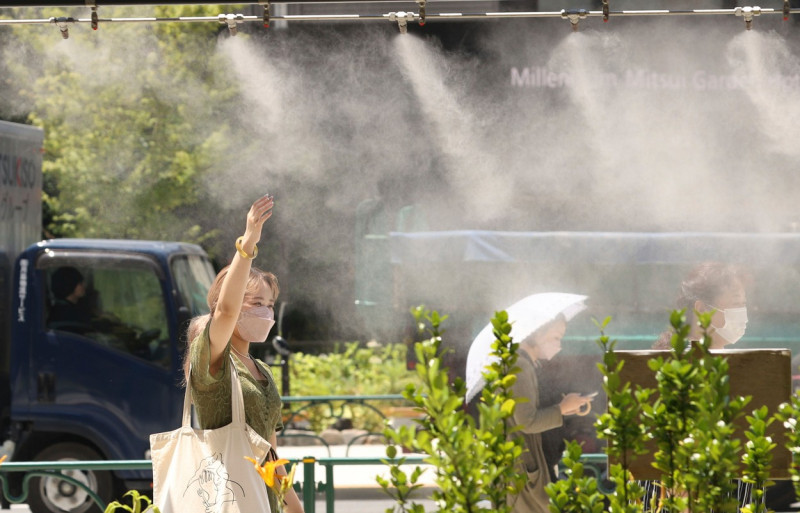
x=204, y=470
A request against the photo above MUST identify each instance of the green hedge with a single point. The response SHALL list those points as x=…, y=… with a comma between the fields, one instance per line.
x=350, y=369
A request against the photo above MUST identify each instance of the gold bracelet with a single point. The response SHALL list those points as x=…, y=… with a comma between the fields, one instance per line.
x=242, y=252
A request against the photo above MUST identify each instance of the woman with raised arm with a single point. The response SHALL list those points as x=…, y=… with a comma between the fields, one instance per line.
x=240, y=303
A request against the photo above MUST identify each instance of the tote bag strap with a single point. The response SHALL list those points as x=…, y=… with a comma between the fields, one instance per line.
x=237, y=399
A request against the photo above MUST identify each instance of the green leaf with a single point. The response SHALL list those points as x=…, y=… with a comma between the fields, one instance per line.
x=508, y=407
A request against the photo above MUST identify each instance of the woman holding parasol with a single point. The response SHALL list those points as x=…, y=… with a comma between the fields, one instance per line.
x=540, y=322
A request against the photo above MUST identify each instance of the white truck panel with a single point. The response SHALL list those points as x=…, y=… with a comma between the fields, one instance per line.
x=20, y=187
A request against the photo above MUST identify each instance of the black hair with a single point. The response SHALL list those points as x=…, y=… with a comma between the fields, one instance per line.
x=64, y=280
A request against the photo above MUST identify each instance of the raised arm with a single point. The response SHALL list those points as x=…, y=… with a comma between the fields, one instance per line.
x=229, y=305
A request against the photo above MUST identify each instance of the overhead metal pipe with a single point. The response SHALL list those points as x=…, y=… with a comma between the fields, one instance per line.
x=101, y=3
x=409, y=16
x=605, y=12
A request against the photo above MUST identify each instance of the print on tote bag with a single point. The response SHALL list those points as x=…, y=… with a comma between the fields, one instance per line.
x=212, y=484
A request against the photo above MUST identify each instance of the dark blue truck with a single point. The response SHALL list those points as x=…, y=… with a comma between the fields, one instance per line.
x=96, y=390
x=91, y=382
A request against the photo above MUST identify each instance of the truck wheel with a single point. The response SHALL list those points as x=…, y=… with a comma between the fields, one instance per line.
x=53, y=495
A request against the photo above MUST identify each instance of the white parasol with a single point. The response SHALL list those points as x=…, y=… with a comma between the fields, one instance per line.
x=526, y=316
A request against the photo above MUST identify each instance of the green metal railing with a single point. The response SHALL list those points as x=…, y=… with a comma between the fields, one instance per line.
x=329, y=487
x=309, y=487
x=53, y=469
x=337, y=408
x=596, y=464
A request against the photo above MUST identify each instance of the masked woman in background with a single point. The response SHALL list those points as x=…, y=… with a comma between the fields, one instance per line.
x=240, y=303
x=717, y=287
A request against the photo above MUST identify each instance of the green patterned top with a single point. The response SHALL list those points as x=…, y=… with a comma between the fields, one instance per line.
x=212, y=395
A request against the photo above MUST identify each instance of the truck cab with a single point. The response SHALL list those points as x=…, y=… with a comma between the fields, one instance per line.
x=96, y=352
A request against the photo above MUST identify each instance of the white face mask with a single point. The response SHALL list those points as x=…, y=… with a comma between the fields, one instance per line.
x=254, y=323
x=735, y=324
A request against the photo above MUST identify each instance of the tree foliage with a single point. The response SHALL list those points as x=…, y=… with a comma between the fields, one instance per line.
x=134, y=117
x=475, y=462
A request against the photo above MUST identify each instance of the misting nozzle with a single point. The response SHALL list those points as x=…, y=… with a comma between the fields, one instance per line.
x=574, y=16
x=63, y=25
x=422, y=4
x=265, y=3
x=748, y=13
x=232, y=20
x=402, y=18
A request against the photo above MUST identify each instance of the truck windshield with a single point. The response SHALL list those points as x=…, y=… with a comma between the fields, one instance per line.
x=193, y=277
x=114, y=300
